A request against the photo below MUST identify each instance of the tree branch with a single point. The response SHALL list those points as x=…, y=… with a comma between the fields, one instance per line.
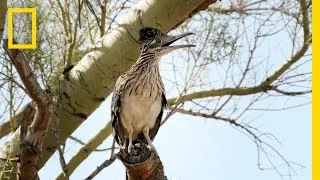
x=31, y=146
x=105, y=164
x=74, y=111
x=87, y=149
x=212, y=116
x=6, y=127
x=83, y=143
x=142, y=164
x=287, y=93
x=3, y=13
x=262, y=87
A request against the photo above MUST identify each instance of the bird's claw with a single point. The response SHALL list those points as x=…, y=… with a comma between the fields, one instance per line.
x=130, y=148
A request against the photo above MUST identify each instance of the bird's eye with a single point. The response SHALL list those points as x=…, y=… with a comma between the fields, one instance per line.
x=153, y=42
x=144, y=48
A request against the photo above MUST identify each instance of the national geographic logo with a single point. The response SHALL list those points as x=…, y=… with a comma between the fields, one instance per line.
x=33, y=12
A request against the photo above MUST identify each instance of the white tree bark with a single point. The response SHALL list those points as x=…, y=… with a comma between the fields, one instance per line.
x=93, y=78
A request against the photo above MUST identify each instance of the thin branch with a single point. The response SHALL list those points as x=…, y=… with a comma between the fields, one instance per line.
x=6, y=127
x=263, y=87
x=287, y=93
x=93, y=13
x=103, y=8
x=87, y=149
x=63, y=163
x=251, y=132
x=105, y=164
x=14, y=81
x=84, y=144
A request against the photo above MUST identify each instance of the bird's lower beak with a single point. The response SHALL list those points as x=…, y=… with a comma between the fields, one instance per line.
x=171, y=39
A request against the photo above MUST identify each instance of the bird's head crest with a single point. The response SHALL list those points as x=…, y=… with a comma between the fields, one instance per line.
x=153, y=40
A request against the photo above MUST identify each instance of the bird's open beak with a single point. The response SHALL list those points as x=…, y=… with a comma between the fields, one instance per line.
x=166, y=48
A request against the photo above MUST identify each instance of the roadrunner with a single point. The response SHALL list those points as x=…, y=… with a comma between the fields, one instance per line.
x=138, y=99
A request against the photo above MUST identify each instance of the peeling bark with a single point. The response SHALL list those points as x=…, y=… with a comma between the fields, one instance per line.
x=142, y=164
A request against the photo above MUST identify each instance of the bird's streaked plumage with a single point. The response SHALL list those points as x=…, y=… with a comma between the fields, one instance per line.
x=138, y=99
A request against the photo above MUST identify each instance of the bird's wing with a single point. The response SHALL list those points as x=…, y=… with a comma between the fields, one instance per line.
x=115, y=111
x=153, y=132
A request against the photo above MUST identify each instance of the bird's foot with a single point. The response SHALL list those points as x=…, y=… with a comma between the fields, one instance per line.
x=152, y=148
x=130, y=147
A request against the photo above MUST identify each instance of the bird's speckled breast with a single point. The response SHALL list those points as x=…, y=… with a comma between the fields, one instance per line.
x=140, y=111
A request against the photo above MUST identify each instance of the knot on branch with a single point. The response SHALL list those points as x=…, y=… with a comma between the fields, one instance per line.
x=267, y=88
x=30, y=148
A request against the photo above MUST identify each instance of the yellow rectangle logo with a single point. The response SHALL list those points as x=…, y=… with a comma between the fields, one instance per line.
x=33, y=12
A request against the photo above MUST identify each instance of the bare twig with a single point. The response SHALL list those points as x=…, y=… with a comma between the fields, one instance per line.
x=255, y=135
x=105, y=164
x=63, y=162
x=83, y=143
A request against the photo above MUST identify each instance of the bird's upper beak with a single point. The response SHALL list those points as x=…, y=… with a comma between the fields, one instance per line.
x=165, y=45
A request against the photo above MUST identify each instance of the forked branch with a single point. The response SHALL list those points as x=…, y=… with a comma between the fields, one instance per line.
x=31, y=145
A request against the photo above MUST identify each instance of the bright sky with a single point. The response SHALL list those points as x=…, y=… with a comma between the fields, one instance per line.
x=195, y=148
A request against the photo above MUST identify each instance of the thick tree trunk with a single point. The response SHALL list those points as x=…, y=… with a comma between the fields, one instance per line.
x=3, y=13
x=93, y=78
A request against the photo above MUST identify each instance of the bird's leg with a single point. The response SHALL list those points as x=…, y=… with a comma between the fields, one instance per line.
x=113, y=147
x=124, y=145
x=130, y=132
x=146, y=135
